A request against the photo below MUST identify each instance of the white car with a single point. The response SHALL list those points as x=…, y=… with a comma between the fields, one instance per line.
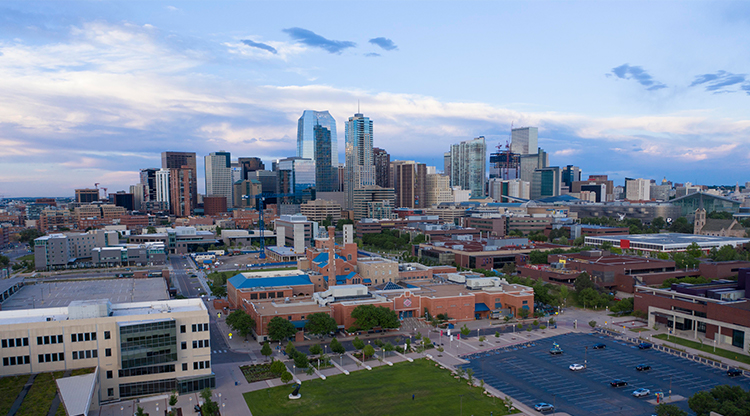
x=576, y=367
x=641, y=392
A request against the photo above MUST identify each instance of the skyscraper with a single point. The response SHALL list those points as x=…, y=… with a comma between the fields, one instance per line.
x=148, y=180
x=545, y=183
x=524, y=140
x=468, y=166
x=219, y=175
x=326, y=175
x=382, y=161
x=162, y=186
x=306, y=134
x=570, y=174
x=183, y=160
x=410, y=184
x=182, y=181
x=250, y=164
x=296, y=174
x=360, y=171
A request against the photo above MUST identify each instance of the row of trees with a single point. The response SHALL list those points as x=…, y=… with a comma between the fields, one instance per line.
x=724, y=400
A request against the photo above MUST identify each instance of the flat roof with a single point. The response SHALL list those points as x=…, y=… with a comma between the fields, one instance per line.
x=6, y=284
x=281, y=308
x=672, y=240
x=60, y=294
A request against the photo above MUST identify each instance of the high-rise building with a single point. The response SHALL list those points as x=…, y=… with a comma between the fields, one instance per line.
x=268, y=180
x=504, y=165
x=306, y=134
x=382, y=162
x=245, y=191
x=546, y=183
x=438, y=189
x=373, y=202
x=409, y=183
x=296, y=174
x=87, y=196
x=162, y=186
x=638, y=190
x=570, y=174
x=181, y=185
x=530, y=163
x=360, y=171
x=501, y=188
x=326, y=179
x=250, y=164
x=148, y=180
x=138, y=192
x=447, y=164
x=468, y=165
x=524, y=140
x=183, y=160
x=219, y=175
x=236, y=173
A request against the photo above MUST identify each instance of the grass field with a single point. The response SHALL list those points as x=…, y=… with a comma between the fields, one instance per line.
x=9, y=388
x=382, y=391
x=41, y=393
x=709, y=348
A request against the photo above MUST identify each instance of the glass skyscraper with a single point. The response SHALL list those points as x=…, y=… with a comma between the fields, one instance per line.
x=360, y=171
x=468, y=164
x=300, y=173
x=326, y=176
x=306, y=134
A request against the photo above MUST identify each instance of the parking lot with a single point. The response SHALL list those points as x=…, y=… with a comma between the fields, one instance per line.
x=532, y=375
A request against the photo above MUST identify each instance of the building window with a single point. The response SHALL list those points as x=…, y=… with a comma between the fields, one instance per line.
x=205, y=327
x=106, y=335
x=195, y=344
x=110, y=392
x=109, y=374
x=75, y=355
x=195, y=328
x=184, y=367
x=183, y=345
x=108, y=352
x=182, y=329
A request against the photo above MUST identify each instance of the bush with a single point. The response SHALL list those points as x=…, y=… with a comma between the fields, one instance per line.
x=497, y=334
x=286, y=377
x=592, y=324
x=535, y=323
x=542, y=326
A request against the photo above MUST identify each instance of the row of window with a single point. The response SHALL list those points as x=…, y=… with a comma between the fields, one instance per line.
x=51, y=358
x=201, y=343
x=25, y=359
x=80, y=355
x=45, y=340
x=200, y=365
x=271, y=295
x=15, y=342
x=154, y=369
x=196, y=328
x=83, y=336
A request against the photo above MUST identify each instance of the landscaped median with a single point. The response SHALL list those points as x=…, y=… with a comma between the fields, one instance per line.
x=418, y=388
x=706, y=347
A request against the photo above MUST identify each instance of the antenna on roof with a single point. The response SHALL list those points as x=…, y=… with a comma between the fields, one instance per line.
x=357, y=106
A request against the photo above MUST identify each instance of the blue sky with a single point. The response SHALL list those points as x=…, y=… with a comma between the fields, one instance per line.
x=94, y=91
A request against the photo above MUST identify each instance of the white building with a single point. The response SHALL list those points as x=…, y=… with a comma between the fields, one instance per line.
x=162, y=186
x=219, y=175
x=638, y=190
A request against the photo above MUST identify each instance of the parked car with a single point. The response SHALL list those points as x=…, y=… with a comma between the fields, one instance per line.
x=544, y=407
x=556, y=351
x=618, y=383
x=599, y=346
x=734, y=372
x=576, y=367
x=643, y=367
x=641, y=392
x=644, y=345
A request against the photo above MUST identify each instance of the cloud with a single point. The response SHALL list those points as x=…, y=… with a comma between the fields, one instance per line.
x=626, y=71
x=171, y=8
x=259, y=45
x=720, y=81
x=310, y=38
x=384, y=43
x=566, y=152
x=372, y=55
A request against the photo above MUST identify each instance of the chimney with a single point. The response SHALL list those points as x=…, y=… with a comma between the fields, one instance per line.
x=331, y=261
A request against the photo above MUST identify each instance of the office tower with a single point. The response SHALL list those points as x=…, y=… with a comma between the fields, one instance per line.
x=244, y=192
x=87, y=196
x=219, y=175
x=638, y=190
x=504, y=165
x=531, y=162
x=122, y=199
x=592, y=185
x=183, y=160
x=182, y=181
x=236, y=173
x=468, y=165
x=306, y=134
x=570, y=174
x=267, y=179
x=447, y=163
x=162, y=186
x=502, y=188
x=138, y=192
x=546, y=183
x=148, y=180
x=382, y=162
x=296, y=174
x=409, y=183
x=524, y=140
x=360, y=171
x=438, y=189
x=250, y=164
x=325, y=173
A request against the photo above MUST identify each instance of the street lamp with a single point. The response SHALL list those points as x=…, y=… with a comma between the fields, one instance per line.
x=461, y=409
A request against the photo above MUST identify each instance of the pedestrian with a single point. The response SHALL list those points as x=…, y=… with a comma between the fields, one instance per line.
x=412, y=397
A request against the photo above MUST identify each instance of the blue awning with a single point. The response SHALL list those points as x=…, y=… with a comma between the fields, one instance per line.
x=480, y=307
x=299, y=324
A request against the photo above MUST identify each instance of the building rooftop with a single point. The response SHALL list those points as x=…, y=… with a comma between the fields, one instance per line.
x=298, y=305
x=672, y=240
x=260, y=280
x=60, y=294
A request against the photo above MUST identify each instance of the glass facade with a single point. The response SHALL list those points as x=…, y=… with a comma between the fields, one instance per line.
x=196, y=383
x=306, y=134
x=301, y=173
x=360, y=170
x=326, y=175
x=143, y=388
x=468, y=166
x=147, y=344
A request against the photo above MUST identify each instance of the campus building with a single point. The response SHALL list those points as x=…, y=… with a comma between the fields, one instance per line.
x=138, y=348
x=665, y=242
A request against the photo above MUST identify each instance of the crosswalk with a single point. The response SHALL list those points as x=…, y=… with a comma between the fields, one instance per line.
x=219, y=351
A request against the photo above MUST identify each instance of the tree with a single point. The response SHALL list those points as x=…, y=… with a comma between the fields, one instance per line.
x=369, y=316
x=509, y=268
x=316, y=349
x=320, y=323
x=139, y=411
x=28, y=235
x=337, y=347
x=290, y=350
x=681, y=225
x=669, y=410
x=583, y=281
x=280, y=328
x=388, y=347
x=277, y=367
x=241, y=322
x=358, y=343
x=662, y=256
x=209, y=406
x=523, y=313
x=578, y=241
x=658, y=223
x=266, y=350
x=592, y=324
x=4, y=261
x=693, y=250
x=538, y=257
x=368, y=350
x=470, y=375
x=286, y=377
x=300, y=360
x=725, y=253
x=723, y=399
x=465, y=331
x=625, y=305
x=173, y=399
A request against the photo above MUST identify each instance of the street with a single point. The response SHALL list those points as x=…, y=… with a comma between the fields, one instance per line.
x=190, y=287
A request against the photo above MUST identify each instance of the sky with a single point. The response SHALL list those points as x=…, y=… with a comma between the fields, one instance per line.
x=94, y=91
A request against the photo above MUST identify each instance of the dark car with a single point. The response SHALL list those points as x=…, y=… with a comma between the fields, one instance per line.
x=618, y=383
x=644, y=345
x=643, y=367
x=555, y=351
x=599, y=346
x=734, y=372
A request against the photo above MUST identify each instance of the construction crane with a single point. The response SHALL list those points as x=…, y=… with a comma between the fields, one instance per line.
x=260, y=199
x=506, y=158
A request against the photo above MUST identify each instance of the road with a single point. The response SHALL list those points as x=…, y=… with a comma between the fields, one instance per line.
x=188, y=286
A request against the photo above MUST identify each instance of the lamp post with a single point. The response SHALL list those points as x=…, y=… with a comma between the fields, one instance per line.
x=461, y=408
x=122, y=409
x=294, y=368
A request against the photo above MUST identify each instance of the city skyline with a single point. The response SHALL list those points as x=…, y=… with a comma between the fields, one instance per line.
x=96, y=91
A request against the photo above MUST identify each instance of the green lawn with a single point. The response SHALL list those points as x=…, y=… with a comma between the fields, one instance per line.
x=709, y=348
x=41, y=393
x=382, y=391
x=9, y=388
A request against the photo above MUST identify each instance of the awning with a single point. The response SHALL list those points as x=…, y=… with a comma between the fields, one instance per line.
x=481, y=307
x=299, y=324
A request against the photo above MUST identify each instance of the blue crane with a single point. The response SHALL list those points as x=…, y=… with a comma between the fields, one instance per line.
x=260, y=198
